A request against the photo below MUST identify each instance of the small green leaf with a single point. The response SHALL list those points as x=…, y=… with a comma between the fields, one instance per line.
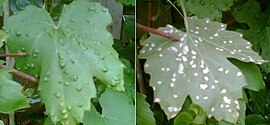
x=207, y=8
x=184, y=118
x=66, y=56
x=11, y=97
x=197, y=66
x=129, y=79
x=264, y=41
x=144, y=116
x=116, y=110
x=254, y=119
x=200, y=117
x=252, y=74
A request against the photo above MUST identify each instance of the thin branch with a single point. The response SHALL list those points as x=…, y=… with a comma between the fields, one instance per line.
x=139, y=75
x=157, y=32
x=22, y=75
x=12, y=54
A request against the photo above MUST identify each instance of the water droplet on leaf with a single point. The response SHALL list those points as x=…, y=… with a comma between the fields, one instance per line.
x=57, y=95
x=66, y=83
x=18, y=34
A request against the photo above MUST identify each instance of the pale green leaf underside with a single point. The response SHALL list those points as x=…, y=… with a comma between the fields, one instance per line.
x=144, y=115
x=197, y=66
x=207, y=8
x=11, y=97
x=66, y=56
x=116, y=110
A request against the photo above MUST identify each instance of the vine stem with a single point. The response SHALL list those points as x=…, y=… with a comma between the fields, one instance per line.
x=185, y=15
x=22, y=75
x=157, y=32
x=12, y=54
x=139, y=75
x=51, y=9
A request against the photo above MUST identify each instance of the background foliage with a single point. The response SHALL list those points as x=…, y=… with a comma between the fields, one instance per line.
x=72, y=64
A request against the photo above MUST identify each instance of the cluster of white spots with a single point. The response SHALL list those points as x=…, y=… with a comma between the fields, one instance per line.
x=169, y=31
x=165, y=69
x=203, y=86
x=237, y=104
x=227, y=100
x=185, y=49
x=221, y=106
x=143, y=51
x=212, y=109
x=170, y=26
x=183, y=38
x=174, y=49
x=205, y=97
x=205, y=71
x=175, y=96
x=219, y=49
x=193, y=52
x=181, y=68
x=173, y=79
x=226, y=71
x=157, y=100
x=238, y=74
x=223, y=91
x=173, y=109
x=251, y=59
x=153, y=44
x=206, y=78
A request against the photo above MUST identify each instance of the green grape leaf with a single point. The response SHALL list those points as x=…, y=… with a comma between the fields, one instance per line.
x=264, y=40
x=207, y=8
x=144, y=115
x=66, y=56
x=11, y=97
x=129, y=79
x=116, y=110
x=251, y=14
x=127, y=2
x=252, y=74
x=197, y=66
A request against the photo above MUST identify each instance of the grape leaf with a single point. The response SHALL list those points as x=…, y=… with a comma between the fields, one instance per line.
x=251, y=14
x=207, y=8
x=144, y=116
x=11, y=97
x=197, y=66
x=66, y=56
x=264, y=40
x=116, y=110
x=252, y=74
